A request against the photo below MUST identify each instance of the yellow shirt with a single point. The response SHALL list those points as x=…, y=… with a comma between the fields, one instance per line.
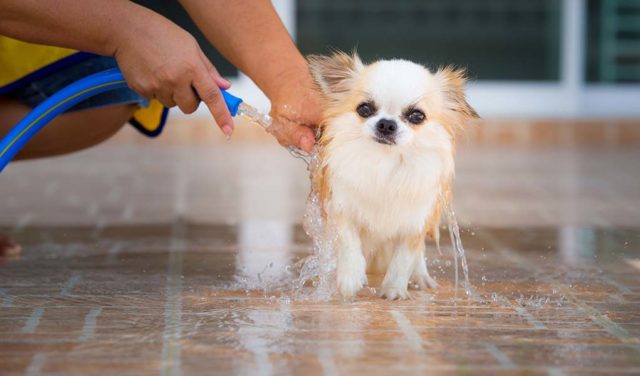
x=21, y=61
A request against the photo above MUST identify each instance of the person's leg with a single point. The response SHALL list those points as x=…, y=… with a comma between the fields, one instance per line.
x=65, y=134
x=68, y=132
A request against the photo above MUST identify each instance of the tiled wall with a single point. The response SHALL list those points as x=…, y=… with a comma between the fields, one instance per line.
x=605, y=132
x=485, y=132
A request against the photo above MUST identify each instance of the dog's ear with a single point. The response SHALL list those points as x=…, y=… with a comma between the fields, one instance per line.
x=335, y=74
x=453, y=81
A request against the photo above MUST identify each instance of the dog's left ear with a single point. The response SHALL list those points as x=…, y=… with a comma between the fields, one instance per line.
x=335, y=74
x=453, y=81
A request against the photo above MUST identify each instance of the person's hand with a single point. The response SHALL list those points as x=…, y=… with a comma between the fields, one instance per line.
x=162, y=61
x=296, y=113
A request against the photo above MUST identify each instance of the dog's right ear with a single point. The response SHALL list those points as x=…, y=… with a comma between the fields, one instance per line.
x=335, y=74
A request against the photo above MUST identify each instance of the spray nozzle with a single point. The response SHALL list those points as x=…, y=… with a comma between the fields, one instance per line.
x=237, y=107
x=233, y=102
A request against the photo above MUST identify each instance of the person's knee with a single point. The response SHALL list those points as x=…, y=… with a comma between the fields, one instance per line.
x=75, y=131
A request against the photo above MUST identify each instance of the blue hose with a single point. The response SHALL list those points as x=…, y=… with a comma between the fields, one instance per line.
x=66, y=98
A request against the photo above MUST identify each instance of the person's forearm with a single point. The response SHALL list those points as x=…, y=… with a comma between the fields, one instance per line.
x=87, y=25
x=250, y=34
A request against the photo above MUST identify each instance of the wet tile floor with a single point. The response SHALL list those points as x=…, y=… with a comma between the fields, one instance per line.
x=129, y=253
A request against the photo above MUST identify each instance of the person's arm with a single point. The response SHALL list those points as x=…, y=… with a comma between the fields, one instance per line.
x=251, y=35
x=158, y=58
x=86, y=26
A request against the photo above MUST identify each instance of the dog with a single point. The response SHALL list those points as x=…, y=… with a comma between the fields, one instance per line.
x=386, y=163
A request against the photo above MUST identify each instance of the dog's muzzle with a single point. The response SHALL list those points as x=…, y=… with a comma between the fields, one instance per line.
x=386, y=131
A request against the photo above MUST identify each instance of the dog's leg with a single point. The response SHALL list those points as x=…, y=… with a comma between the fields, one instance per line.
x=394, y=285
x=421, y=274
x=351, y=264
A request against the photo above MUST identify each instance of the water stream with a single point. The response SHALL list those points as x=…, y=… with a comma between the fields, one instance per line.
x=457, y=250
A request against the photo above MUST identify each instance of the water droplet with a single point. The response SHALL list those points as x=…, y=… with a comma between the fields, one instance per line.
x=285, y=300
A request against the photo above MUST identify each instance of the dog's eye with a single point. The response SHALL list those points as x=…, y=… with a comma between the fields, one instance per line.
x=415, y=117
x=366, y=110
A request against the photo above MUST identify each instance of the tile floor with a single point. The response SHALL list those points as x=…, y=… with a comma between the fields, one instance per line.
x=130, y=252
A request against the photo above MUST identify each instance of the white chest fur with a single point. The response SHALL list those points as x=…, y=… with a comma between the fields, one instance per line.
x=385, y=192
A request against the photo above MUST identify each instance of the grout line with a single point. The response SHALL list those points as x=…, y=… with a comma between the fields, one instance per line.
x=415, y=341
x=500, y=356
x=70, y=284
x=621, y=288
x=522, y=311
x=599, y=319
x=325, y=357
x=89, y=328
x=171, y=347
x=613, y=328
x=551, y=371
x=36, y=364
x=34, y=320
x=263, y=362
x=285, y=310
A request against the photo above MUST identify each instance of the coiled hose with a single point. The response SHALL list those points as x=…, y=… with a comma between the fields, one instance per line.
x=66, y=98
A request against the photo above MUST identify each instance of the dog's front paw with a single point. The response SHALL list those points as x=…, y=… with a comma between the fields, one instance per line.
x=424, y=281
x=349, y=283
x=393, y=293
x=421, y=276
x=351, y=278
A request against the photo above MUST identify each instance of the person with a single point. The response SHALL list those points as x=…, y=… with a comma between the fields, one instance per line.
x=159, y=60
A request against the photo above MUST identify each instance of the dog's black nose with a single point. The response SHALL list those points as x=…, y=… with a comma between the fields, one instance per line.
x=386, y=127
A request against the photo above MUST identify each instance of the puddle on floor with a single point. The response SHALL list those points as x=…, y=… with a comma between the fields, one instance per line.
x=218, y=260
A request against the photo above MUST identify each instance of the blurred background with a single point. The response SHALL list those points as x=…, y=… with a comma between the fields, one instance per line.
x=542, y=58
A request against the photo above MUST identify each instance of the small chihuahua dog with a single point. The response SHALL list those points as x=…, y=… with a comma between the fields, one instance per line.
x=386, y=152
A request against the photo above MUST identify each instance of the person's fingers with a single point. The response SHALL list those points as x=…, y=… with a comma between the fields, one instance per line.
x=213, y=72
x=306, y=138
x=291, y=134
x=210, y=94
x=186, y=98
x=165, y=97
